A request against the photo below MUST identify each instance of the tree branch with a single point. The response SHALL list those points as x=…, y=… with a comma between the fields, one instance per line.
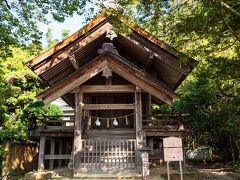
x=227, y=7
x=225, y=22
x=7, y=4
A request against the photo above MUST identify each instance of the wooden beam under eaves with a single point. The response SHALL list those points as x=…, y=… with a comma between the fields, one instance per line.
x=105, y=89
x=66, y=85
x=172, y=64
x=61, y=55
x=142, y=81
x=116, y=63
x=93, y=24
x=148, y=62
x=107, y=106
x=73, y=61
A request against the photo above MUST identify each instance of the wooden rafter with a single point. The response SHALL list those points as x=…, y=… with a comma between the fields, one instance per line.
x=93, y=24
x=93, y=68
x=148, y=62
x=60, y=56
x=172, y=64
x=79, y=77
x=135, y=77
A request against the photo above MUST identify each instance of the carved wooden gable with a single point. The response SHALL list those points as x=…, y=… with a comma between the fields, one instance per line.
x=139, y=57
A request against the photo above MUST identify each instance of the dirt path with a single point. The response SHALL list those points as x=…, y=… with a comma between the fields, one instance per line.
x=160, y=173
x=193, y=173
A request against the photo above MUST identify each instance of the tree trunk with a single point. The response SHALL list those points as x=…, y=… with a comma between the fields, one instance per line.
x=238, y=150
x=232, y=150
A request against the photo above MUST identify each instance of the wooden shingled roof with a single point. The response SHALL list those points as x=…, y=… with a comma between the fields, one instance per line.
x=143, y=54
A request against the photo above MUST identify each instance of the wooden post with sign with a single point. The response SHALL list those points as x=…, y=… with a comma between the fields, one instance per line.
x=173, y=151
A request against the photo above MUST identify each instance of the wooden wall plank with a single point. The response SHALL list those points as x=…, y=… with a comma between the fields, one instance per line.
x=107, y=106
x=108, y=89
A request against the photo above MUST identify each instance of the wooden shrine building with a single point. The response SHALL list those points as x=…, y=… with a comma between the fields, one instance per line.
x=111, y=80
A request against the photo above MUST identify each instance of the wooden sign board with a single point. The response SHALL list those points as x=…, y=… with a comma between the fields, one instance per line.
x=172, y=142
x=173, y=154
x=172, y=148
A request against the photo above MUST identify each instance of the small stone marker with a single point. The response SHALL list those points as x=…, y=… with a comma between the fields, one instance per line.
x=145, y=163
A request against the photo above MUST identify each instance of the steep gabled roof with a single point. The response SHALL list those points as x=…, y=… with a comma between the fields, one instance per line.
x=138, y=49
x=118, y=65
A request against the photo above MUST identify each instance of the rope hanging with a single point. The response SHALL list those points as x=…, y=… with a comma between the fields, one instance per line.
x=126, y=120
x=89, y=120
x=105, y=118
x=108, y=123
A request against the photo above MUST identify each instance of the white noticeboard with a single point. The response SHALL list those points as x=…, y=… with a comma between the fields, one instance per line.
x=173, y=154
x=172, y=149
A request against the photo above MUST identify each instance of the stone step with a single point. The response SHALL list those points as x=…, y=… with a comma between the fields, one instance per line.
x=109, y=174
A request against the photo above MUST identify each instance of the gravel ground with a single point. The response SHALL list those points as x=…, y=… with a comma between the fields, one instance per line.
x=160, y=173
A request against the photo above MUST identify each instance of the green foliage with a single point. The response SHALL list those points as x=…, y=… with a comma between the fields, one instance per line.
x=18, y=87
x=212, y=99
x=19, y=20
x=235, y=166
x=65, y=33
x=209, y=31
x=39, y=111
x=50, y=40
x=2, y=153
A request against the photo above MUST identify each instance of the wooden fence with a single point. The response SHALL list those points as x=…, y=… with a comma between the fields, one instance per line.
x=108, y=154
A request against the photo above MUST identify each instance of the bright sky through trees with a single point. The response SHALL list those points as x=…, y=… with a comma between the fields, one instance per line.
x=72, y=23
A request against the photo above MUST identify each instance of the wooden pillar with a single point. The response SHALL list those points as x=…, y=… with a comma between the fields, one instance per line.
x=52, y=151
x=60, y=152
x=149, y=107
x=41, y=152
x=138, y=118
x=78, y=131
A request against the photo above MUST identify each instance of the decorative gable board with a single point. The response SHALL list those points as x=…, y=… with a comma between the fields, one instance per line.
x=156, y=59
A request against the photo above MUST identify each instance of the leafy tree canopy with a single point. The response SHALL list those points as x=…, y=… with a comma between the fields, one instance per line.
x=18, y=88
x=19, y=20
x=207, y=30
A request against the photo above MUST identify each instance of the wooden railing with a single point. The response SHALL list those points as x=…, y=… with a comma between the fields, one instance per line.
x=164, y=122
x=108, y=154
x=161, y=122
x=57, y=122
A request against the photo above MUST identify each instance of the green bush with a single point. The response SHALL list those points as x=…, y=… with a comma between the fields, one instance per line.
x=235, y=166
x=36, y=112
